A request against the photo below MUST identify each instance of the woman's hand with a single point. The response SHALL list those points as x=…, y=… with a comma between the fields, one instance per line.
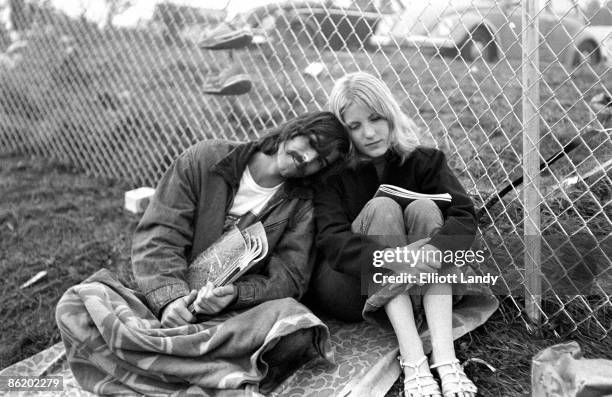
x=211, y=299
x=414, y=258
x=176, y=313
x=432, y=254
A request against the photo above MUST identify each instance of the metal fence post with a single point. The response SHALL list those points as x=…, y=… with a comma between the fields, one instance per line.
x=531, y=171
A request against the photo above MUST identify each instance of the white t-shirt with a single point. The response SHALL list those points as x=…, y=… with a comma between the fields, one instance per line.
x=250, y=196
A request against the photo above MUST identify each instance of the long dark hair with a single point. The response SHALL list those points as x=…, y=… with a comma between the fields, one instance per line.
x=325, y=134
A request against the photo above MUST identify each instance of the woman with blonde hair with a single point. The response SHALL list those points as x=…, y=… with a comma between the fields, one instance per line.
x=357, y=233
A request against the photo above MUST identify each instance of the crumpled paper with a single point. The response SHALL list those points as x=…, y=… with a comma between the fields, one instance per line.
x=560, y=371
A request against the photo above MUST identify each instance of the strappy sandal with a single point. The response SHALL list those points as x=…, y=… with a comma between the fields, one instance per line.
x=456, y=382
x=419, y=385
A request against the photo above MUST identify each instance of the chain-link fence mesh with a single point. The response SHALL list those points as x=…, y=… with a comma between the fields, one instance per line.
x=117, y=88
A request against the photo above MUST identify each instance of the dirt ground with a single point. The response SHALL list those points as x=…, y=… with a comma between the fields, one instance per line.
x=55, y=218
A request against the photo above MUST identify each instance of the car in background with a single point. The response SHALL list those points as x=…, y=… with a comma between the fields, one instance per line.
x=603, y=33
x=489, y=29
x=597, y=12
x=598, y=15
x=333, y=24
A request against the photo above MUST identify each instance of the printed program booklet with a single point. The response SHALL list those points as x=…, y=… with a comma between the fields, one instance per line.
x=229, y=257
x=405, y=196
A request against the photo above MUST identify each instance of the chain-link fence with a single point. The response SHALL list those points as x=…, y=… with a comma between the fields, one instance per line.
x=118, y=88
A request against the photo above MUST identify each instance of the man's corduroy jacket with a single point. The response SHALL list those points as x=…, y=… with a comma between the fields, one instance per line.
x=187, y=214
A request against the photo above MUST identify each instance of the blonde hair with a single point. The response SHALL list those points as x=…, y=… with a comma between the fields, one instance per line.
x=364, y=88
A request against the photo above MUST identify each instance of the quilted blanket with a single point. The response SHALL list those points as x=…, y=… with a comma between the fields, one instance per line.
x=115, y=345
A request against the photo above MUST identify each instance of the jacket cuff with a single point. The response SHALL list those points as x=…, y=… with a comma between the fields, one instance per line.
x=245, y=297
x=160, y=297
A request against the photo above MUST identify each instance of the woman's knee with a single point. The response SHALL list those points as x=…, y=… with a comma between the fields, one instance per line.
x=380, y=216
x=383, y=206
x=422, y=206
x=423, y=211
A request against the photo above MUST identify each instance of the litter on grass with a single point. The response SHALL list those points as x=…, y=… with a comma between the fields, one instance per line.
x=36, y=278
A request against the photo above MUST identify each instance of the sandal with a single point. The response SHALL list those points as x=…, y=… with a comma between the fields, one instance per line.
x=419, y=385
x=455, y=383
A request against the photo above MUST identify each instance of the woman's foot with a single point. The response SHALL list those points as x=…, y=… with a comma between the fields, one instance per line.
x=455, y=382
x=418, y=380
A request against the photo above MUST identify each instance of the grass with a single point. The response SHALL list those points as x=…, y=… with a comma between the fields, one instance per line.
x=120, y=105
x=55, y=219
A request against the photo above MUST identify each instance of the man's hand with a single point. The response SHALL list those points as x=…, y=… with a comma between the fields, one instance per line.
x=212, y=300
x=420, y=259
x=176, y=313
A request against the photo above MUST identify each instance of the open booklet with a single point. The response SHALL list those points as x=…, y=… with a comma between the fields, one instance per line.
x=228, y=258
x=405, y=196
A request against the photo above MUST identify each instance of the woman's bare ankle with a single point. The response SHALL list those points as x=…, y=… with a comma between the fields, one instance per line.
x=414, y=365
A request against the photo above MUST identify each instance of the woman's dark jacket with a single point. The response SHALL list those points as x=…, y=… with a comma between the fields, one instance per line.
x=339, y=201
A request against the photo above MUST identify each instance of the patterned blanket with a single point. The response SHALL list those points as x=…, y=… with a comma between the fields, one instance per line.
x=115, y=345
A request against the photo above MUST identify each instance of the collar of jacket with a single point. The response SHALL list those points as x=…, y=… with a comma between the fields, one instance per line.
x=233, y=164
x=390, y=158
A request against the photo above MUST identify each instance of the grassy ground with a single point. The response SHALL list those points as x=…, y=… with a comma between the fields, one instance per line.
x=57, y=219
x=53, y=219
